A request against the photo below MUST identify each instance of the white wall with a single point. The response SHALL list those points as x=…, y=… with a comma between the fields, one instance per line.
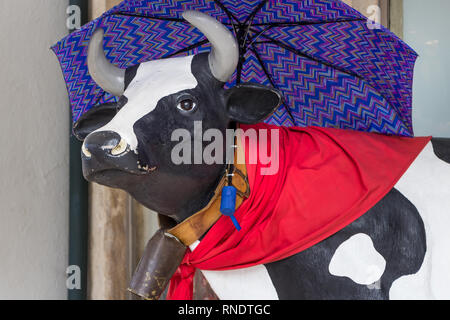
x=34, y=161
x=426, y=30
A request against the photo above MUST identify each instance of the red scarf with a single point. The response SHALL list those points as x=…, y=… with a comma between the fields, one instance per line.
x=327, y=179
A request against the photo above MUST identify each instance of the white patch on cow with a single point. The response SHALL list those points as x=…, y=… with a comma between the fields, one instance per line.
x=153, y=81
x=252, y=283
x=427, y=185
x=358, y=260
x=194, y=245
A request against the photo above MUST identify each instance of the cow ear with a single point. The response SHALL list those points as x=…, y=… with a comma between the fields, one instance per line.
x=251, y=103
x=94, y=119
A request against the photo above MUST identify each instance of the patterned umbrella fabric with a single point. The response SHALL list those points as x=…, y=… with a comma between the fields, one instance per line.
x=332, y=67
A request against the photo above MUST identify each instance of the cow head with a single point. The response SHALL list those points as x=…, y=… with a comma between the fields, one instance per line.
x=128, y=145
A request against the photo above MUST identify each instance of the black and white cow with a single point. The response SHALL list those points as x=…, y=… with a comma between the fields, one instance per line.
x=400, y=249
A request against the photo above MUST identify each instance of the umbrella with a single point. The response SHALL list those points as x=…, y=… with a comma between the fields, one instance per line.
x=333, y=68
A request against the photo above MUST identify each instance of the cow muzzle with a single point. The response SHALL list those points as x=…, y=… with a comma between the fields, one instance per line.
x=105, y=153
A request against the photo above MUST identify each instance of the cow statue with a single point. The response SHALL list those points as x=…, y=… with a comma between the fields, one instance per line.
x=401, y=244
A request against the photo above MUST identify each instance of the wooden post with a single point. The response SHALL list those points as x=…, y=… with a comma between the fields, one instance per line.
x=396, y=17
x=108, y=244
x=98, y=7
x=364, y=6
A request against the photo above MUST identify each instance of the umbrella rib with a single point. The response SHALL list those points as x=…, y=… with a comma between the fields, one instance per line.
x=157, y=18
x=148, y=17
x=100, y=97
x=290, y=24
x=102, y=94
x=299, y=53
x=305, y=23
x=239, y=71
x=261, y=62
x=230, y=15
x=250, y=18
x=191, y=47
x=257, y=9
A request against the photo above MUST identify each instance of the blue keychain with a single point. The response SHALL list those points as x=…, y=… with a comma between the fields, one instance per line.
x=228, y=204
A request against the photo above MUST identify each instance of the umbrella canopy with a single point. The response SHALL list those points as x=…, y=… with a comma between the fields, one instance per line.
x=333, y=68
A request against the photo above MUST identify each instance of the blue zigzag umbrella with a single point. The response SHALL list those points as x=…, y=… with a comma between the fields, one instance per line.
x=332, y=67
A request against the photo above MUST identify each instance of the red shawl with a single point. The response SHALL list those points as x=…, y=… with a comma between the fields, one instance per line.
x=327, y=179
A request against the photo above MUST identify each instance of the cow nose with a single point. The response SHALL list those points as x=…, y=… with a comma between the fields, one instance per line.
x=104, y=143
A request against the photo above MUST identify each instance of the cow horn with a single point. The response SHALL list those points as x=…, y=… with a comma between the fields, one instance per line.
x=224, y=56
x=109, y=77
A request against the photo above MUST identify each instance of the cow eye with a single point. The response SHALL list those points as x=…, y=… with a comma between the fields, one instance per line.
x=187, y=105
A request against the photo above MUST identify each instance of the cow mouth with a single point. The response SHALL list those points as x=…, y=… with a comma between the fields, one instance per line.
x=105, y=168
x=114, y=173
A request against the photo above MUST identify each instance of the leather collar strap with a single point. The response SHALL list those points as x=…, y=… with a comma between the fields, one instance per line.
x=193, y=228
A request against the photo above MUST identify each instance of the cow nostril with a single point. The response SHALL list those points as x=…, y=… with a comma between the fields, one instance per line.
x=104, y=144
x=85, y=151
x=120, y=148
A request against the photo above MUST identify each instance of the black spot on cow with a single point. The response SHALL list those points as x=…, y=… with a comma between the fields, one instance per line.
x=398, y=234
x=130, y=74
x=94, y=119
x=441, y=148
